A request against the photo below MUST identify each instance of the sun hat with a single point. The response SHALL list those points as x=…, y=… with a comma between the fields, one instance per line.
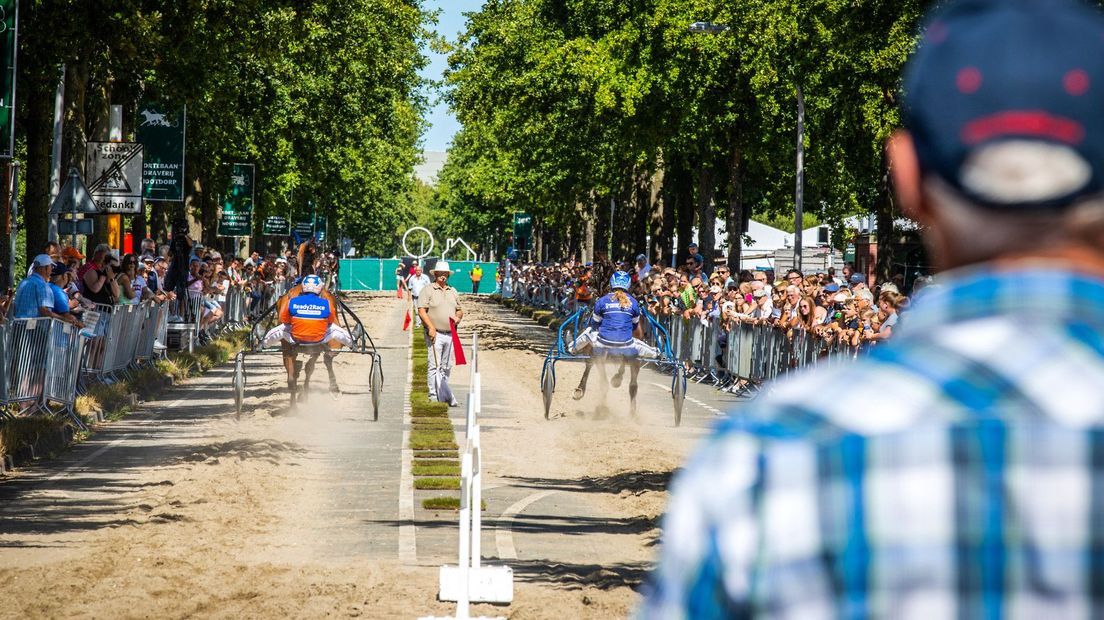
x=1003, y=85
x=441, y=267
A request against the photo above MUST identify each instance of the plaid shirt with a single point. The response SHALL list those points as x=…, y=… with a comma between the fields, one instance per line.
x=31, y=294
x=957, y=472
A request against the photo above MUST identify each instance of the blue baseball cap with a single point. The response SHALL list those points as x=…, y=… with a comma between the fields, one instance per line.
x=831, y=288
x=999, y=81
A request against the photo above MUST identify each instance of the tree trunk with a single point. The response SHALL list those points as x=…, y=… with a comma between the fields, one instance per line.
x=707, y=215
x=38, y=97
x=678, y=192
x=588, y=234
x=538, y=241
x=734, y=217
x=642, y=209
x=885, y=213
x=661, y=216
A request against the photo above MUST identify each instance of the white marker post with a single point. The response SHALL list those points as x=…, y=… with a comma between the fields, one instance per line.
x=470, y=582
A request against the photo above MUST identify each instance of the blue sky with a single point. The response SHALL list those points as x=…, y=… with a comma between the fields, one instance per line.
x=450, y=22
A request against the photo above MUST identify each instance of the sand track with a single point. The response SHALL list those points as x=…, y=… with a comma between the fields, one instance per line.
x=179, y=511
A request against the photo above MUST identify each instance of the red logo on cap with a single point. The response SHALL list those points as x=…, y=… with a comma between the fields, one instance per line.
x=1076, y=82
x=968, y=80
x=1023, y=123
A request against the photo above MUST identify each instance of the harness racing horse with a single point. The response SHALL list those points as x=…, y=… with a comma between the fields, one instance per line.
x=307, y=256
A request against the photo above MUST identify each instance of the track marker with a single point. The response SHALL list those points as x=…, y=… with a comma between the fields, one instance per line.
x=709, y=408
x=504, y=533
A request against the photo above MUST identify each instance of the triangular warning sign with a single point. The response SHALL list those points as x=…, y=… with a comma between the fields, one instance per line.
x=114, y=180
x=74, y=197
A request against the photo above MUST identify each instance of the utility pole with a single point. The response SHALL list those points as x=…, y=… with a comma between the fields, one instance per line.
x=55, y=154
x=799, y=192
x=14, y=226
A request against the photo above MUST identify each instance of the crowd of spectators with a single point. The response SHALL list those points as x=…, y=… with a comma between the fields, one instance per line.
x=63, y=283
x=836, y=306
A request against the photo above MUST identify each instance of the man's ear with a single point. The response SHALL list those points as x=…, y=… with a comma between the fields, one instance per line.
x=904, y=168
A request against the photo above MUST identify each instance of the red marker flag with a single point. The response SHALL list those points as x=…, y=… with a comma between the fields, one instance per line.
x=457, y=348
x=406, y=321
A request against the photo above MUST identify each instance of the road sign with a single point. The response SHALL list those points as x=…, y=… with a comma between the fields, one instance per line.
x=523, y=231
x=9, y=44
x=74, y=197
x=115, y=173
x=75, y=227
x=236, y=219
x=161, y=131
x=302, y=231
x=276, y=226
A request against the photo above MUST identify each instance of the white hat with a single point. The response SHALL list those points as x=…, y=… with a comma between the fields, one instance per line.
x=441, y=266
x=43, y=260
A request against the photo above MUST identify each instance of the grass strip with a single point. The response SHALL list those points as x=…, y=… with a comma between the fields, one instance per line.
x=446, y=503
x=437, y=484
x=432, y=440
x=436, y=454
x=443, y=468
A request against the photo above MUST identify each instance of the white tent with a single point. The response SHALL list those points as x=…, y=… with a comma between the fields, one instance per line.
x=764, y=241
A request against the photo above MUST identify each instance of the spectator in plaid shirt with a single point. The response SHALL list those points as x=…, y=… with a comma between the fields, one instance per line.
x=963, y=475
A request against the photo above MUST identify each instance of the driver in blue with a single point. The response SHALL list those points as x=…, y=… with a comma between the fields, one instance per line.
x=616, y=315
x=615, y=329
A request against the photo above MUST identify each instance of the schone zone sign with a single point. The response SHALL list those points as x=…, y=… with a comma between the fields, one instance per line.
x=115, y=170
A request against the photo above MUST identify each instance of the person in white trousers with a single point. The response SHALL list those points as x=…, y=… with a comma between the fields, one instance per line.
x=439, y=308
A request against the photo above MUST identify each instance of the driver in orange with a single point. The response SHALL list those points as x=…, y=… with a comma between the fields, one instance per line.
x=309, y=317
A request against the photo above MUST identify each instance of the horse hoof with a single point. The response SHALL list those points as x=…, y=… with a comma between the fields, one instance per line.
x=579, y=393
x=616, y=381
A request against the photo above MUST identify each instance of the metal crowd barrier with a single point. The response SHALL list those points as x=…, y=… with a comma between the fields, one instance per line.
x=43, y=367
x=746, y=351
x=47, y=362
x=543, y=296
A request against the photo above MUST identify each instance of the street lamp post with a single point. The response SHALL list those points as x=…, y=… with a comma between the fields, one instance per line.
x=799, y=191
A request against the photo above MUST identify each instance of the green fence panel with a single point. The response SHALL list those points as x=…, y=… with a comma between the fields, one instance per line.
x=378, y=274
x=461, y=280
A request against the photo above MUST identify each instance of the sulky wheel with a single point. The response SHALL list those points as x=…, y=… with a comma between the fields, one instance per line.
x=548, y=385
x=375, y=382
x=678, y=391
x=239, y=383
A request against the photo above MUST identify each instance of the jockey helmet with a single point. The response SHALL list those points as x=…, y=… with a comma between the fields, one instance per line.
x=620, y=280
x=312, y=284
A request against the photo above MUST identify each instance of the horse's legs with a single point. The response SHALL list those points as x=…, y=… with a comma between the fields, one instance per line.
x=602, y=409
x=328, y=359
x=291, y=366
x=634, y=371
x=312, y=359
x=619, y=375
x=581, y=390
